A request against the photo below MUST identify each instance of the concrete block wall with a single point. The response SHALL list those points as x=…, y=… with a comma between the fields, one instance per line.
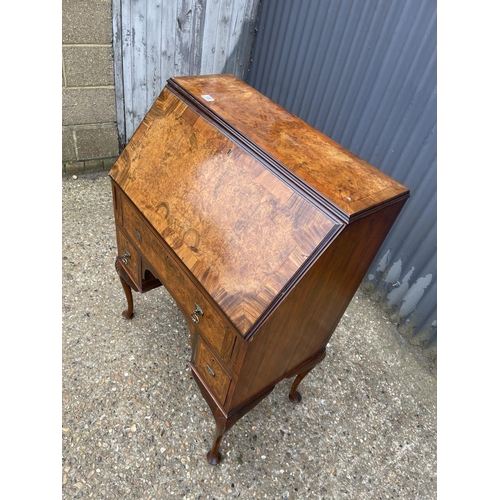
x=89, y=128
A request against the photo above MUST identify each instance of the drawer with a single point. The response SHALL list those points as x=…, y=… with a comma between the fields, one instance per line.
x=204, y=317
x=117, y=197
x=197, y=309
x=142, y=235
x=128, y=256
x=211, y=371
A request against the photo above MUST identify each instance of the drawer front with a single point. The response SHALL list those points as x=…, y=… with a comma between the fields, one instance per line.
x=143, y=237
x=200, y=312
x=182, y=288
x=128, y=256
x=117, y=197
x=212, y=372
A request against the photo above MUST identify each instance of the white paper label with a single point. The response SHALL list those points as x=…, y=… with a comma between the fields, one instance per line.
x=208, y=97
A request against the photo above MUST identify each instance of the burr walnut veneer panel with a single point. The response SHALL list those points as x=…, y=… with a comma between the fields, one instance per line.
x=260, y=227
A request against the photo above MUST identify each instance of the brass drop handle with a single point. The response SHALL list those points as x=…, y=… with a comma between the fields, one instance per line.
x=125, y=257
x=194, y=314
x=210, y=371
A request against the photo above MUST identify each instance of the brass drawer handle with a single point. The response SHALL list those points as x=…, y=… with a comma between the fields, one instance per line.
x=194, y=314
x=138, y=236
x=125, y=257
x=209, y=370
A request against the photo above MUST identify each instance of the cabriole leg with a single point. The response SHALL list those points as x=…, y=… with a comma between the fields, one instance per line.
x=129, y=312
x=295, y=396
x=214, y=456
x=224, y=422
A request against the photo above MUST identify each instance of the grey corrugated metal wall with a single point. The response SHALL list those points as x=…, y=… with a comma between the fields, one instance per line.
x=364, y=73
x=159, y=39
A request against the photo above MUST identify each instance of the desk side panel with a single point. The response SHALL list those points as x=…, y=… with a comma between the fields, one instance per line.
x=303, y=323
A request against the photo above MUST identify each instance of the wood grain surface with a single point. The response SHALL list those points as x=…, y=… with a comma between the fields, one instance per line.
x=240, y=230
x=349, y=182
x=260, y=227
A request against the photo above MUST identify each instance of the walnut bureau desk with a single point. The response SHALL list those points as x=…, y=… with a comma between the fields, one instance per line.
x=260, y=227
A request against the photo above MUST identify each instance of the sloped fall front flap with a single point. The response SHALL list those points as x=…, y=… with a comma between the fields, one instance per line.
x=240, y=230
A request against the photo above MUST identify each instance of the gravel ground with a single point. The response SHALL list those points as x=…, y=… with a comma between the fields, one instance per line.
x=134, y=425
